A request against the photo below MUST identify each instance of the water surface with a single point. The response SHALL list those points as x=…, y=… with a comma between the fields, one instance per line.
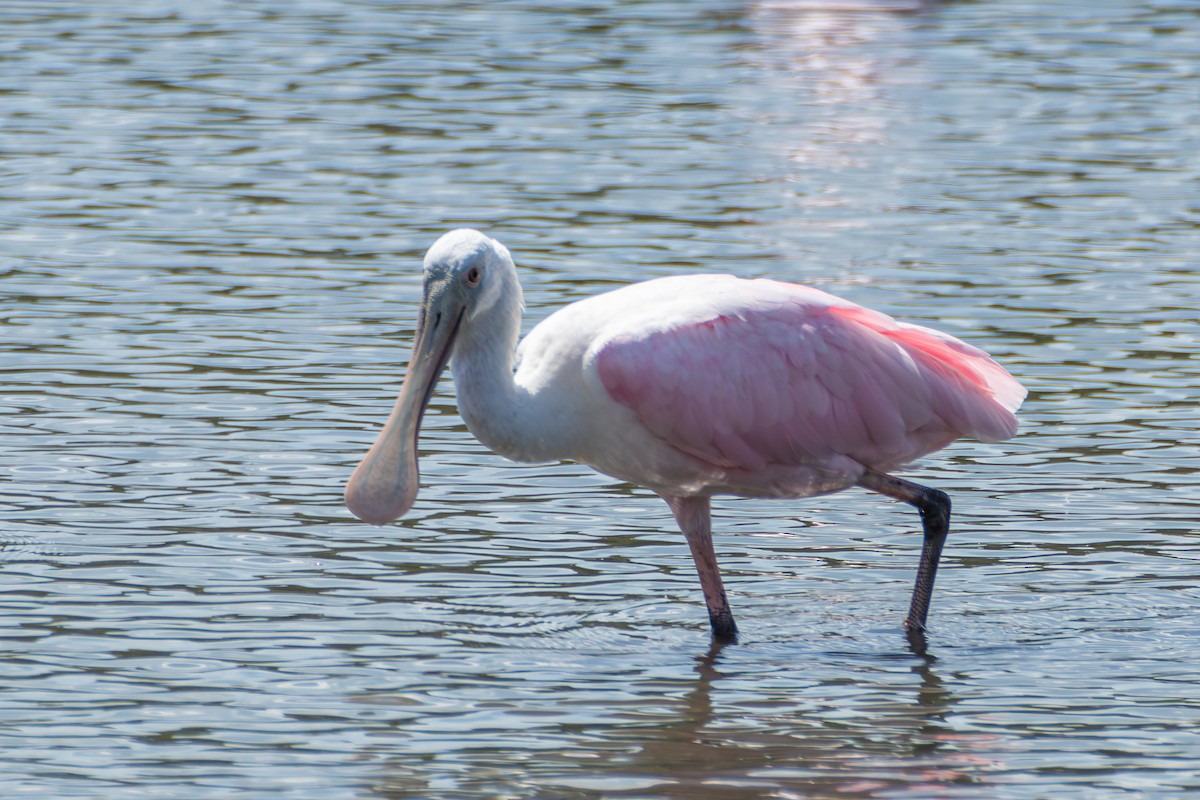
x=213, y=217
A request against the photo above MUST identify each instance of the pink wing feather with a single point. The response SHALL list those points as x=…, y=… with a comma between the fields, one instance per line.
x=793, y=376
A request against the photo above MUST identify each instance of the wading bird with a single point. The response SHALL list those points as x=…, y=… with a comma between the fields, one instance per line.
x=691, y=386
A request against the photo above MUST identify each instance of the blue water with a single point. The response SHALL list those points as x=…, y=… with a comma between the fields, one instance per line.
x=213, y=217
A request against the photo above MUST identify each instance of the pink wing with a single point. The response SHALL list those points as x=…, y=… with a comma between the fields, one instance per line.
x=802, y=376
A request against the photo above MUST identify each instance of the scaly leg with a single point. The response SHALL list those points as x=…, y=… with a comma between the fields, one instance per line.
x=934, y=506
x=692, y=514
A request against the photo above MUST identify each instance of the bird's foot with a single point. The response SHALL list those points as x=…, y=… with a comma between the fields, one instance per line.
x=915, y=633
x=723, y=627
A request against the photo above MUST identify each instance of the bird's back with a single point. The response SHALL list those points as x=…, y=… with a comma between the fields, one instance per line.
x=745, y=374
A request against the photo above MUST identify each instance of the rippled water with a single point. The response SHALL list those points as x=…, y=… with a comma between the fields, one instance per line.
x=213, y=216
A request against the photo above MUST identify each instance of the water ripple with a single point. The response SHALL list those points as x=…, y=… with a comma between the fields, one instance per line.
x=214, y=216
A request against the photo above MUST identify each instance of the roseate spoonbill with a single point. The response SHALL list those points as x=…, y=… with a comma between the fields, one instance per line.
x=691, y=386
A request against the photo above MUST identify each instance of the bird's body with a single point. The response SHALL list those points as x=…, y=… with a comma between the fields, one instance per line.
x=700, y=385
x=690, y=386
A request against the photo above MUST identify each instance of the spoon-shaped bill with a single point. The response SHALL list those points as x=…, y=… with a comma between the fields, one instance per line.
x=384, y=485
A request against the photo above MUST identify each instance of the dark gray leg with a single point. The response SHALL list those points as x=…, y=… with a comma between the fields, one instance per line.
x=934, y=506
x=692, y=514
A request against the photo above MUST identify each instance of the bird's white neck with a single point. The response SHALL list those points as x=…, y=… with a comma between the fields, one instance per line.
x=505, y=417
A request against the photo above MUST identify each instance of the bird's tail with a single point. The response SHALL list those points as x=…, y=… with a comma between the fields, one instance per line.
x=957, y=362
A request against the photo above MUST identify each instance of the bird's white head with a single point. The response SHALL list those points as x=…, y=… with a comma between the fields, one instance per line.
x=466, y=274
x=466, y=270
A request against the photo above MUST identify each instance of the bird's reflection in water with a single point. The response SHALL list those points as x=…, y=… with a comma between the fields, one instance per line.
x=748, y=719
x=718, y=752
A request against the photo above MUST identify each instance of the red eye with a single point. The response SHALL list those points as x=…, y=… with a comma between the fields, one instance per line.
x=473, y=276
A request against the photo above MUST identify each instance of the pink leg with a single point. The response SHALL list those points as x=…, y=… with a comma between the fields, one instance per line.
x=692, y=514
x=934, y=506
